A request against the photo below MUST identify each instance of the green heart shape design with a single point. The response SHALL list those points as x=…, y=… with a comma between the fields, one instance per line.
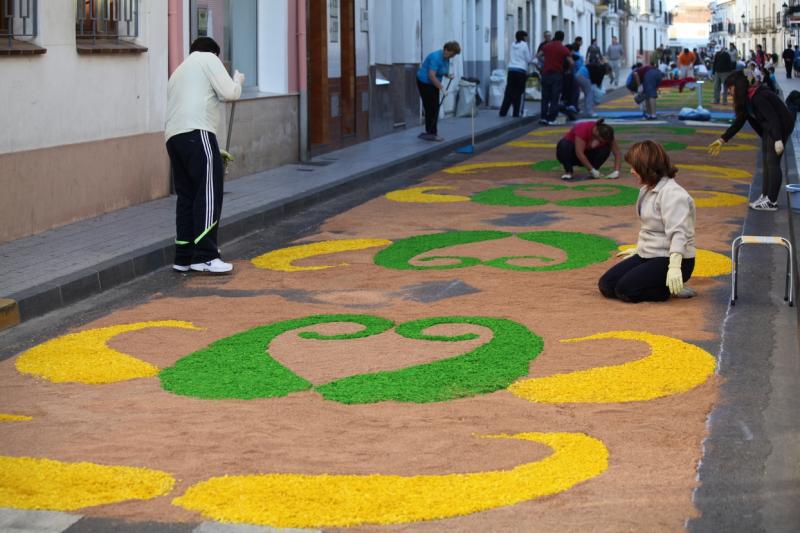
x=240, y=366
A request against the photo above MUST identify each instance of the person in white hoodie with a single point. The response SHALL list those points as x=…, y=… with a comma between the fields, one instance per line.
x=519, y=59
x=194, y=96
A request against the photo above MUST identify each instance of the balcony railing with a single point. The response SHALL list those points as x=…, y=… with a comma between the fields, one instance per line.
x=18, y=20
x=762, y=25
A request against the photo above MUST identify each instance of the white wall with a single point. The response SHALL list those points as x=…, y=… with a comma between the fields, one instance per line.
x=61, y=97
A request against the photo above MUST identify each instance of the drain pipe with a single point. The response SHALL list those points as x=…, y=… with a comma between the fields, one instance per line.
x=302, y=78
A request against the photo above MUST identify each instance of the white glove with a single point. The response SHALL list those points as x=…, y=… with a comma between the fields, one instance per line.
x=625, y=254
x=595, y=173
x=613, y=175
x=779, y=147
x=238, y=77
x=674, y=274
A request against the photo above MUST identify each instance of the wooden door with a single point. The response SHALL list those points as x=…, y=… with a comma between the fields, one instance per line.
x=318, y=98
x=348, y=62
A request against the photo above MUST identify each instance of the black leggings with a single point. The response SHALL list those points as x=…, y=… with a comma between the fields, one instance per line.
x=515, y=87
x=430, y=103
x=565, y=153
x=770, y=169
x=641, y=280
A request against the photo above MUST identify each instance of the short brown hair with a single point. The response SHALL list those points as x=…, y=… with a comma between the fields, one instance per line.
x=650, y=161
x=452, y=46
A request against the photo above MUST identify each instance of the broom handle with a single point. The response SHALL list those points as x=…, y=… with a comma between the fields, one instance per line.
x=230, y=127
x=472, y=123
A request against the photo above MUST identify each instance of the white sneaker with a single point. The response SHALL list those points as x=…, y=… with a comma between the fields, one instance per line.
x=764, y=205
x=566, y=177
x=180, y=268
x=758, y=200
x=215, y=266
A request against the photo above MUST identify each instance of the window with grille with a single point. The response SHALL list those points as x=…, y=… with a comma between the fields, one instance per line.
x=18, y=27
x=107, y=19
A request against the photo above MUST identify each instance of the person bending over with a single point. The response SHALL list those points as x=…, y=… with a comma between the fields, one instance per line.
x=429, y=84
x=588, y=144
x=771, y=119
x=663, y=259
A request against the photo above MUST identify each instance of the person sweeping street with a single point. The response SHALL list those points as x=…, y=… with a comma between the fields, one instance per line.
x=194, y=94
x=753, y=102
x=664, y=256
x=429, y=83
x=588, y=144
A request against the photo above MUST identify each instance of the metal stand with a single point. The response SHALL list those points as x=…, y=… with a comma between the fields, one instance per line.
x=740, y=241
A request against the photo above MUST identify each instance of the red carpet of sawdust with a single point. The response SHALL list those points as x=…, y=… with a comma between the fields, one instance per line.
x=654, y=446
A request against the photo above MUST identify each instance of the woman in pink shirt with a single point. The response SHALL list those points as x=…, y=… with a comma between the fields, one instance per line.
x=588, y=144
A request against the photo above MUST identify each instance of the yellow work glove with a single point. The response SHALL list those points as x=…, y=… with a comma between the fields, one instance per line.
x=674, y=274
x=625, y=254
x=779, y=147
x=715, y=147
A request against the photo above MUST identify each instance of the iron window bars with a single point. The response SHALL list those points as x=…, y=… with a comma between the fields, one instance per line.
x=115, y=19
x=18, y=19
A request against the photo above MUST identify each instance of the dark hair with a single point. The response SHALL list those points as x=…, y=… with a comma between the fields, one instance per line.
x=650, y=161
x=558, y=36
x=521, y=35
x=605, y=131
x=205, y=44
x=740, y=84
x=452, y=46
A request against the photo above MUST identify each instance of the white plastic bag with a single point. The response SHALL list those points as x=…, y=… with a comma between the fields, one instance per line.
x=497, y=88
x=466, y=104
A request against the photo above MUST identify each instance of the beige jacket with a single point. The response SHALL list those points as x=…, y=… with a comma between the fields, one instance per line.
x=667, y=214
x=195, y=93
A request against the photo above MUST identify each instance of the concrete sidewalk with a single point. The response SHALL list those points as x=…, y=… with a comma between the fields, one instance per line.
x=59, y=267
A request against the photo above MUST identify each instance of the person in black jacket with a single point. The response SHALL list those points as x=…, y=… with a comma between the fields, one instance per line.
x=722, y=68
x=769, y=117
x=788, y=60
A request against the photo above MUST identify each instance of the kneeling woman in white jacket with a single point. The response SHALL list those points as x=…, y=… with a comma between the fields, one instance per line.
x=663, y=259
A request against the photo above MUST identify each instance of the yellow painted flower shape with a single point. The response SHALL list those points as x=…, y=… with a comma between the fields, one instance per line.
x=30, y=483
x=548, y=132
x=418, y=195
x=718, y=133
x=707, y=264
x=726, y=148
x=85, y=357
x=295, y=500
x=672, y=367
x=283, y=258
x=717, y=198
x=712, y=171
x=471, y=168
x=5, y=417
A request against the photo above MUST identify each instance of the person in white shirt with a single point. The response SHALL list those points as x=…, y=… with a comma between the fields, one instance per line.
x=519, y=59
x=664, y=257
x=194, y=95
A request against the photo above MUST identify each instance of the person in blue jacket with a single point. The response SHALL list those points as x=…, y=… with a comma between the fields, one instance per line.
x=429, y=82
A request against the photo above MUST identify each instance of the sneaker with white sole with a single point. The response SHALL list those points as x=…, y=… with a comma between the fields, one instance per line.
x=764, y=205
x=758, y=200
x=566, y=177
x=215, y=266
x=180, y=268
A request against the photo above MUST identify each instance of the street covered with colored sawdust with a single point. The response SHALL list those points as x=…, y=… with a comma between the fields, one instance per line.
x=438, y=358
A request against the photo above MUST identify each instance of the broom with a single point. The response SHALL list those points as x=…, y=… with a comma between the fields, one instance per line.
x=470, y=148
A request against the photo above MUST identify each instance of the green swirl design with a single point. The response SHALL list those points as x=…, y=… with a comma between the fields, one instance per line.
x=240, y=366
x=638, y=129
x=507, y=195
x=582, y=249
x=488, y=368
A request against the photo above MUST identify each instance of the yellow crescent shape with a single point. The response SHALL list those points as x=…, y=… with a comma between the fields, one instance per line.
x=718, y=133
x=717, y=199
x=295, y=500
x=283, y=258
x=30, y=483
x=5, y=417
x=707, y=264
x=547, y=132
x=473, y=167
x=85, y=357
x=672, y=367
x=418, y=195
x=530, y=144
x=712, y=171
